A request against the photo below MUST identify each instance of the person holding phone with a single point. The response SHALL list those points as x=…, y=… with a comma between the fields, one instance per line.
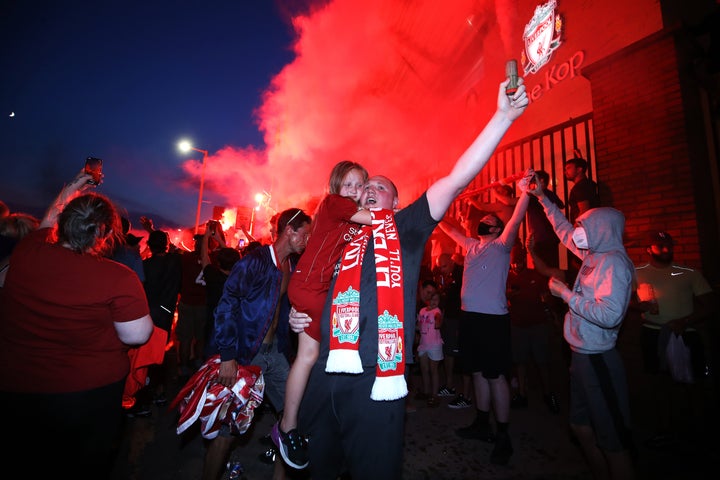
x=93, y=167
x=68, y=316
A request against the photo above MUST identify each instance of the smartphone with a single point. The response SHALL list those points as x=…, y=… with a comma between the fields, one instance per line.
x=93, y=166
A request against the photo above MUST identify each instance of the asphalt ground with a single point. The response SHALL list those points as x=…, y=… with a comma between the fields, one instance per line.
x=543, y=446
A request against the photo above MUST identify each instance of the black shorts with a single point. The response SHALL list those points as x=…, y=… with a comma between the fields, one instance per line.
x=449, y=331
x=485, y=345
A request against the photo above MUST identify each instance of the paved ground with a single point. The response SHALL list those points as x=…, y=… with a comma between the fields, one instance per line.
x=543, y=446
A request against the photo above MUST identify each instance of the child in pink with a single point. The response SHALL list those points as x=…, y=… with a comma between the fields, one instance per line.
x=430, y=351
x=336, y=221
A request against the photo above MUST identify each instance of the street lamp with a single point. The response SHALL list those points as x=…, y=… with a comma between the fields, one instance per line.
x=260, y=199
x=186, y=146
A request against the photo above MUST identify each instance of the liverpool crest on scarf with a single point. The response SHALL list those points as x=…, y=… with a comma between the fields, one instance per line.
x=344, y=354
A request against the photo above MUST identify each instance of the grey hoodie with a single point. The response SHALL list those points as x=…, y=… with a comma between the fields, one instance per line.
x=604, y=284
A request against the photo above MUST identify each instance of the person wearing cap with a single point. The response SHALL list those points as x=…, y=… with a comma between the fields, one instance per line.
x=673, y=299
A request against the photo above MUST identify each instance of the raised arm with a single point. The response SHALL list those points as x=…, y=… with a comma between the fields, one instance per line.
x=453, y=232
x=442, y=193
x=249, y=237
x=147, y=224
x=510, y=232
x=78, y=185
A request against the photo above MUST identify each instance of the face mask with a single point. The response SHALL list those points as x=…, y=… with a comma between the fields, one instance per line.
x=579, y=236
x=484, y=229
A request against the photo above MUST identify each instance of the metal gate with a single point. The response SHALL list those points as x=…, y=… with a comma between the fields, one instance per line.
x=546, y=150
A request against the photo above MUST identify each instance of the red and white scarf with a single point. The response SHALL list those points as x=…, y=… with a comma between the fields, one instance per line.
x=204, y=398
x=344, y=354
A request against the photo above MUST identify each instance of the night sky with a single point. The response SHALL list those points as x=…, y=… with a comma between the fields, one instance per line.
x=124, y=81
x=276, y=91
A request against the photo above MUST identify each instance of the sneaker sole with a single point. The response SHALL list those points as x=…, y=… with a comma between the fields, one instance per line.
x=275, y=436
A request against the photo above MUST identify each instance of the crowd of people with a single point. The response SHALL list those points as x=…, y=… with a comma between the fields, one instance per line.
x=335, y=310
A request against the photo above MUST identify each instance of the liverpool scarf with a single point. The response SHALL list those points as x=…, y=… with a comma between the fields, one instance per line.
x=344, y=354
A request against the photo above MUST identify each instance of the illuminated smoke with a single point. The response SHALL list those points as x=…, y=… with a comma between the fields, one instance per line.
x=394, y=85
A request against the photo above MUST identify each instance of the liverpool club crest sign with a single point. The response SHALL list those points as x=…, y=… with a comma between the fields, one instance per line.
x=542, y=36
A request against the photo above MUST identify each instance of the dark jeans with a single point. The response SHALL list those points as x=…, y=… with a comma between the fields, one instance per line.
x=71, y=435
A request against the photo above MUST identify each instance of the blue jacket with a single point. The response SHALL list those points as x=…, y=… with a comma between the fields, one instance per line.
x=247, y=306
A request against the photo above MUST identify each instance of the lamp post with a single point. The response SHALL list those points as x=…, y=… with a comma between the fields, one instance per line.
x=186, y=146
x=260, y=199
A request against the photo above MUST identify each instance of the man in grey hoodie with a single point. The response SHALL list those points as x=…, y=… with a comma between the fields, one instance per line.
x=599, y=405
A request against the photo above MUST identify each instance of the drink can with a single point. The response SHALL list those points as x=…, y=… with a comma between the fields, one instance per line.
x=235, y=469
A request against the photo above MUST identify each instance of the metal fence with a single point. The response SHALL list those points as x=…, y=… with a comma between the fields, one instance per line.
x=545, y=150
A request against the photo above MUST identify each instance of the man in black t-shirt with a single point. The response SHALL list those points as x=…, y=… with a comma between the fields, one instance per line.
x=359, y=435
x=584, y=193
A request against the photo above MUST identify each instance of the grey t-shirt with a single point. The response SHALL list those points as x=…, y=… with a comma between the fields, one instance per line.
x=485, y=276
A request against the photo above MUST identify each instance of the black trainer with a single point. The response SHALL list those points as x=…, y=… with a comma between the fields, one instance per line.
x=503, y=449
x=291, y=445
x=477, y=431
x=446, y=392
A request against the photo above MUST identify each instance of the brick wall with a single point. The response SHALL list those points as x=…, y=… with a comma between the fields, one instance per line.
x=641, y=145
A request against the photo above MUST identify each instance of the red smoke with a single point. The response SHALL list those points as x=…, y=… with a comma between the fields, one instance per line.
x=401, y=87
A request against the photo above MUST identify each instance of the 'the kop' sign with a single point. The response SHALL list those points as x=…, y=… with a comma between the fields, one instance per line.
x=557, y=74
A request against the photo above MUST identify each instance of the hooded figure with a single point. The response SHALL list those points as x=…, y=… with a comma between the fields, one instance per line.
x=604, y=284
x=599, y=403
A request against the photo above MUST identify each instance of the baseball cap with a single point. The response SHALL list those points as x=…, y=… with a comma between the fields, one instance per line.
x=660, y=238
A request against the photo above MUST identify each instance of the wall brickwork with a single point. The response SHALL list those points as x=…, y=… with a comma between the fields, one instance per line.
x=641, y=146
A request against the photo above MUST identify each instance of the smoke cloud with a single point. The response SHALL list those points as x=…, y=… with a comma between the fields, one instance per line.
x=401, y=87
